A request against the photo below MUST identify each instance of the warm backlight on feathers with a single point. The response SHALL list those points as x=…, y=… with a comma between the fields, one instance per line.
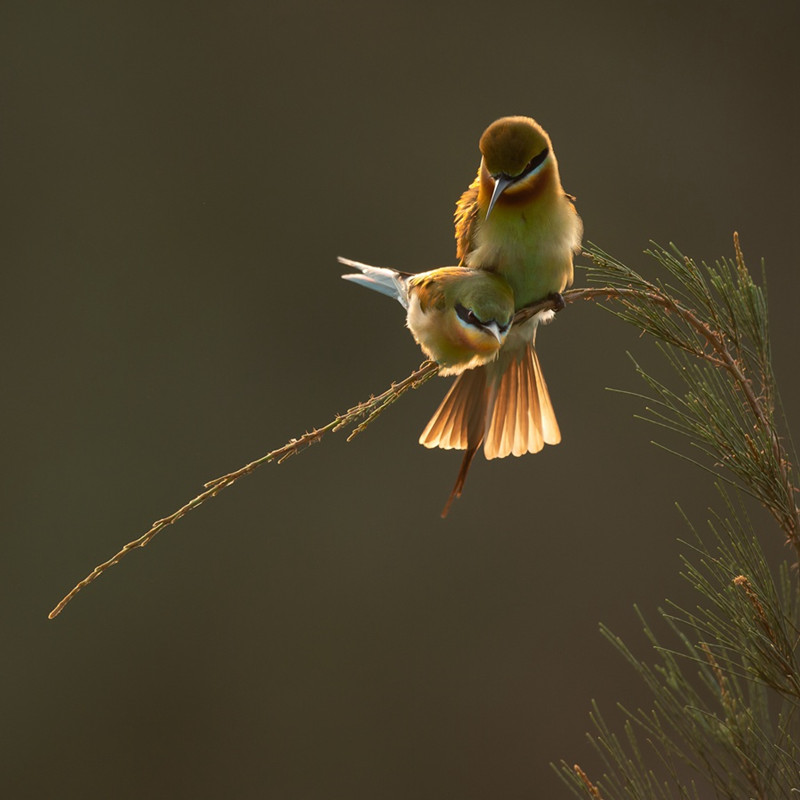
x=511, y=146
x=516, y=221
x=517, y=232
x=460, y=317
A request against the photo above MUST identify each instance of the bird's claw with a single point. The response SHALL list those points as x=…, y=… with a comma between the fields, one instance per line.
x=559, y=304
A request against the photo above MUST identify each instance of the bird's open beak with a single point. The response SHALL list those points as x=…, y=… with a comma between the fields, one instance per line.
x=501, y=183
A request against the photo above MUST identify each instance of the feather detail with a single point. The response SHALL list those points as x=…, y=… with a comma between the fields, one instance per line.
x=520, y=417
x=465, y=217
x=386, y=281
x=458, y=487
x=459, y=421
x=529, y=239
x=551, y=433
x=504, y=405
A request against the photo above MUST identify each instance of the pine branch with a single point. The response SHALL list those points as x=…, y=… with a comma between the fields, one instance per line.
x=729, y=408
x=726, y=699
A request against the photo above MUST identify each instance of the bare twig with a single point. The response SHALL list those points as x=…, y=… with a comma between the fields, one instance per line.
x=368, y=411
x=590, y=787
x=370, y=408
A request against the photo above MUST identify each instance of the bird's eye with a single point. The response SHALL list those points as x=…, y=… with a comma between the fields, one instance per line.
x=535, y=162
x=467, y=315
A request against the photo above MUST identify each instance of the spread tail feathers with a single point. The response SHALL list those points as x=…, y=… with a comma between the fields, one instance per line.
x=520, y=417
x=503, y=405
x=460, y=420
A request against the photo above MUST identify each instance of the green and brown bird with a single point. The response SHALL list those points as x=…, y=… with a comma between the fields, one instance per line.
x=514, y=221
x=460, y=317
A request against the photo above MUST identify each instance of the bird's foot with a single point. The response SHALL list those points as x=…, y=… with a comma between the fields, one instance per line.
x=559, y=304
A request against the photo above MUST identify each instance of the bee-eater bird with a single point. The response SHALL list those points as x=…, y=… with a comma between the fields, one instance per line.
x=460, y=317
x=514, y=221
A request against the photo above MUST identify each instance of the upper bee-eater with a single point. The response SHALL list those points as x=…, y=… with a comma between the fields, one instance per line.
x=515, y=221
x=460, y=317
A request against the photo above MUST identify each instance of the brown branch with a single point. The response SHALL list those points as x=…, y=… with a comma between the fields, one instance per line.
x=724, y=358
x=716, y=341
x=590, y=787
x=370, y=408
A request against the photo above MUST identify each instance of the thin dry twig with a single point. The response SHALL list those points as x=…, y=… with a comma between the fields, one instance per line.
x=590, y=787
x=370, y=409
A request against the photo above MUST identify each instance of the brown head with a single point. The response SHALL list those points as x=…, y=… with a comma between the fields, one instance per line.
x=517, y=159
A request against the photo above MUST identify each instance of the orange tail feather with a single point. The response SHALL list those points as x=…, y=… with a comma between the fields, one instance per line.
x=503, y=405
x=460, y=480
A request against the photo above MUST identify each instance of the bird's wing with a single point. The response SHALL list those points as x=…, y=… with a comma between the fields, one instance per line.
x=466, y=215
x=386, y=281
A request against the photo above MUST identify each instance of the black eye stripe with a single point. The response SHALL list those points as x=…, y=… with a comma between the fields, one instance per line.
x=466, y=315
x=535, y=162
x=469, y=317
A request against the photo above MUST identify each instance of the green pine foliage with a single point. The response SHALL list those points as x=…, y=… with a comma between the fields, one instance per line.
x=725, y=718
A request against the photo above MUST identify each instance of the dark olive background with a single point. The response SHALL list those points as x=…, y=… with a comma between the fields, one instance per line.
x=177, y=181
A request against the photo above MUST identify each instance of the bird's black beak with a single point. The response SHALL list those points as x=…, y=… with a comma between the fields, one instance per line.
x=501, y=183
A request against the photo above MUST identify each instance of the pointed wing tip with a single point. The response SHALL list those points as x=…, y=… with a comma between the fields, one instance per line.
x=348, y=262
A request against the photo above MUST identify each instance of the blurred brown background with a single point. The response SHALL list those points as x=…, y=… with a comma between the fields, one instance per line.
x=177, y=181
